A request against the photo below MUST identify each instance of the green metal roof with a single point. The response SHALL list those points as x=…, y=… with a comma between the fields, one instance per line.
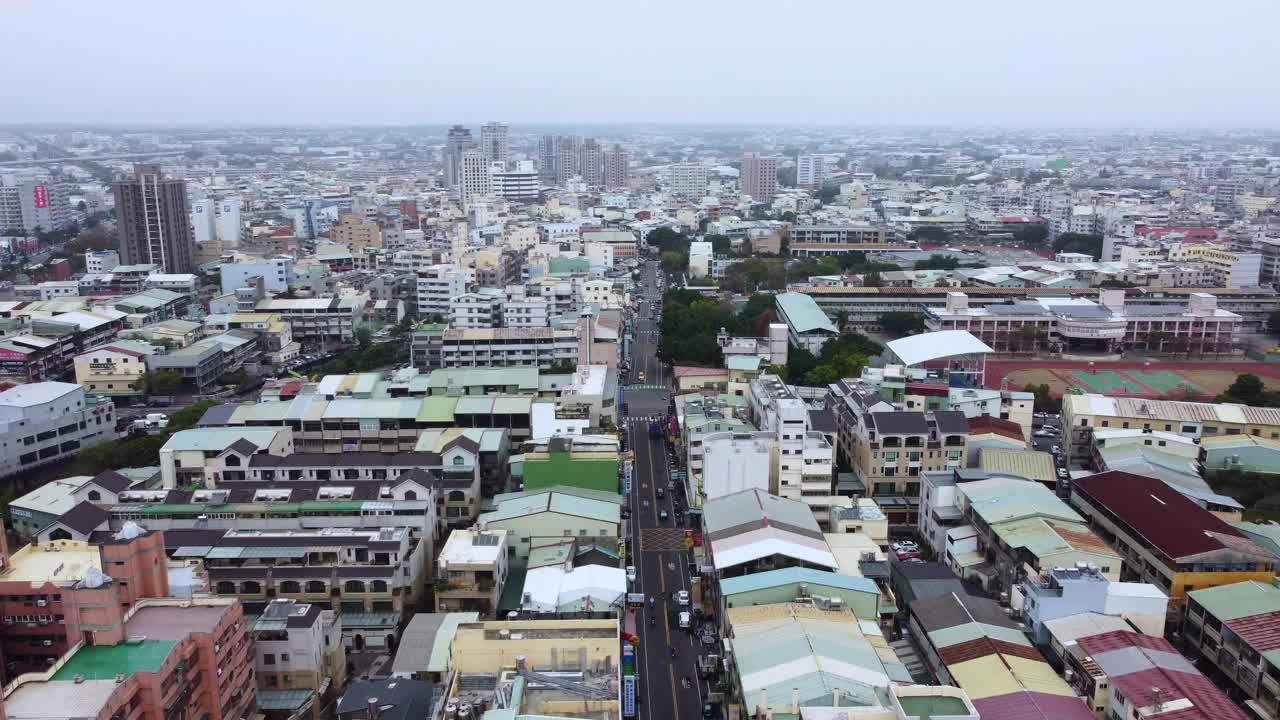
x=283, y=699
x=218, y=439
x=1030, y=464
x=564, y=469
x=1237, y=600
x=1000, y=499
x=104, y=662
x=437, y=409
x=743, y=362
x=803, y=314
x=794, y=575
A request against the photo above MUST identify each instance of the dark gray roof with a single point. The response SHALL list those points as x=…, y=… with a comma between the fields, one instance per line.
x=84, y=518
x=397, y=699
x=952, y=609
x=243, y=446
x=900, y=423
x=951, y=421
x=112, y=481
x=824, y=421
x=216, y=416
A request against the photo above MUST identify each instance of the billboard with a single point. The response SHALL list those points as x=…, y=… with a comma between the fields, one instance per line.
x=629, y=696
x=42, y=197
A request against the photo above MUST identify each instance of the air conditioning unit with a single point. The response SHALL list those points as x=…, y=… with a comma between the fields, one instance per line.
x=47, y=643
x=42, y=603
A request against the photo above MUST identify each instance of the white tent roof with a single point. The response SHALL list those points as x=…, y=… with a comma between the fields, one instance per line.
x=550, y=589
x=921, y=348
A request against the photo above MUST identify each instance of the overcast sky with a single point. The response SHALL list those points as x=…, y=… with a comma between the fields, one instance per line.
x=841, y=62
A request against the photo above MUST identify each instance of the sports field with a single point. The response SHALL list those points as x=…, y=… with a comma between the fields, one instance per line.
x=1195, y=380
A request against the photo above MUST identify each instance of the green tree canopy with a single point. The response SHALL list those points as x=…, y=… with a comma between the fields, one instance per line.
x=937, y=262
x=1032, y=235
x=664, y=238
x=900, y=324
x=1085, y=243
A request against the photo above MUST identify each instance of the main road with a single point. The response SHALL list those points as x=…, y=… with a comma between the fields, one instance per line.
x=669, y=686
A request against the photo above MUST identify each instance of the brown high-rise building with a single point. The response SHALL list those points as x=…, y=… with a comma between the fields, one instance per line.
x=154, y=221
x=759, y=177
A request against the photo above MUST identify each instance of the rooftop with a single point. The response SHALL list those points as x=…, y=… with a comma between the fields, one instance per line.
x=104, y=662
x=1030, y=464
x=1174, y=524
x=803, y=313
x=924, y=347
x=38, y=564
x=30, y=394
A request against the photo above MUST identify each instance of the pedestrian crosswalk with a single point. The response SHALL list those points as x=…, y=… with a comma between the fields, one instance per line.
x=645, y=386
x=646, y=332
x=644, y=418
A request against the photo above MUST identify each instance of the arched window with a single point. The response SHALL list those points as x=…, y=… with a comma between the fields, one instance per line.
x=232, y=461
x=459, y=460
x=95, y=496
x=457, y=496
x=290, y=587
x=410, y=495
x=251, y=587
x=226, y=587
x=378, y=586
x=315, y=586
x=354, y=586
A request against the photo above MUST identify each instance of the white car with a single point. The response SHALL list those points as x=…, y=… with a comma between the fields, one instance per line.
x=631, y=573
x=682, y=597
x=685, y=620
x=1062, y=473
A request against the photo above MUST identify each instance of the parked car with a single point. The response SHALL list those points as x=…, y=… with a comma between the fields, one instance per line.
x=631, y=573
x=682, y=597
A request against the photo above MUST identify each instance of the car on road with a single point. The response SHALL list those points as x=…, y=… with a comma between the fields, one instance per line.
x=682, y=597
x=662, y=516
x=631, y=573
x=661, y=493
x=1062, y=473
x=685, y=620
x=1044, y=433
x=1057, y=450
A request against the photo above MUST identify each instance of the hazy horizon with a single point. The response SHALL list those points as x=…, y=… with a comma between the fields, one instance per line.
x=330, y=64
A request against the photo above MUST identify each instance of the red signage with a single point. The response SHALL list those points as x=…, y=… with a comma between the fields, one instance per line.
x=42, y=197
x=12, y=355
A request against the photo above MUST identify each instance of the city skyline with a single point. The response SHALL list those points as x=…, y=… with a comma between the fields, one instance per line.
x=1000, y=65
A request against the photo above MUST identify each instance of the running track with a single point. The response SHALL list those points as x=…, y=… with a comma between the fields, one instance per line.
x=998, y=369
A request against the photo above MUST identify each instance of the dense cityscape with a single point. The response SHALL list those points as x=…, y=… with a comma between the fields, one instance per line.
x=939, y=399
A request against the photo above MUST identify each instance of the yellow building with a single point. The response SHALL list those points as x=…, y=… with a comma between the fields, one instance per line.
x=354, y=234
x=1229, y=269
x=1082, y=414
x=277, y=335
x=116, y=369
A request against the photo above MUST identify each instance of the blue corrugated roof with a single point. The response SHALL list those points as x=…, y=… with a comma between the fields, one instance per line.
x=788, y=576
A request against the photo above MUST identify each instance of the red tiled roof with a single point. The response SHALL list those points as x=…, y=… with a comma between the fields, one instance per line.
x=1024, y=705
x=989, y=424
x=1117, y=639
x=1166, y=518
x=984, y=646
x=1208, y=702
x=1261, y=632
x=685, y=371
x=122, y=351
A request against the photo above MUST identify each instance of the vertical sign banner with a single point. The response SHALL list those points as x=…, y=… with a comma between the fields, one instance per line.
x=629, y=696
x=42, y=197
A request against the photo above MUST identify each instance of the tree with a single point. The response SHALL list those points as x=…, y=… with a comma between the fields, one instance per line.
x=931, y=234
x=872, y=279
x=1033, y=235
x=664, y=238
x=82, y=206
x=937, y=262
x=1029, y=335
x=1248, y=389
x=1273, y=322
x=1116, y=283
x=827, y=194
x=163, y=382
x=1085, y=243
x=842, y=320
x=1044, y=400
x=900, y=324
x=821, y=376
x=675, y=261
x=364, y=337
x=563, y=367
x=719, y=243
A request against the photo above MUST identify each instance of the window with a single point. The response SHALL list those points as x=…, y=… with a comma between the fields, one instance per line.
x=268, y=659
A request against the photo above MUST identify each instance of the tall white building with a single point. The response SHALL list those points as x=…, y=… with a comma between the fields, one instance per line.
x=204, y=220
x=687, y=179
x=476, y=176
x=493, y=142
x=517, y=182
x=811, y=171
x=617, y=171
x=229, y=222
x=437, y=286
x=276, y=273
